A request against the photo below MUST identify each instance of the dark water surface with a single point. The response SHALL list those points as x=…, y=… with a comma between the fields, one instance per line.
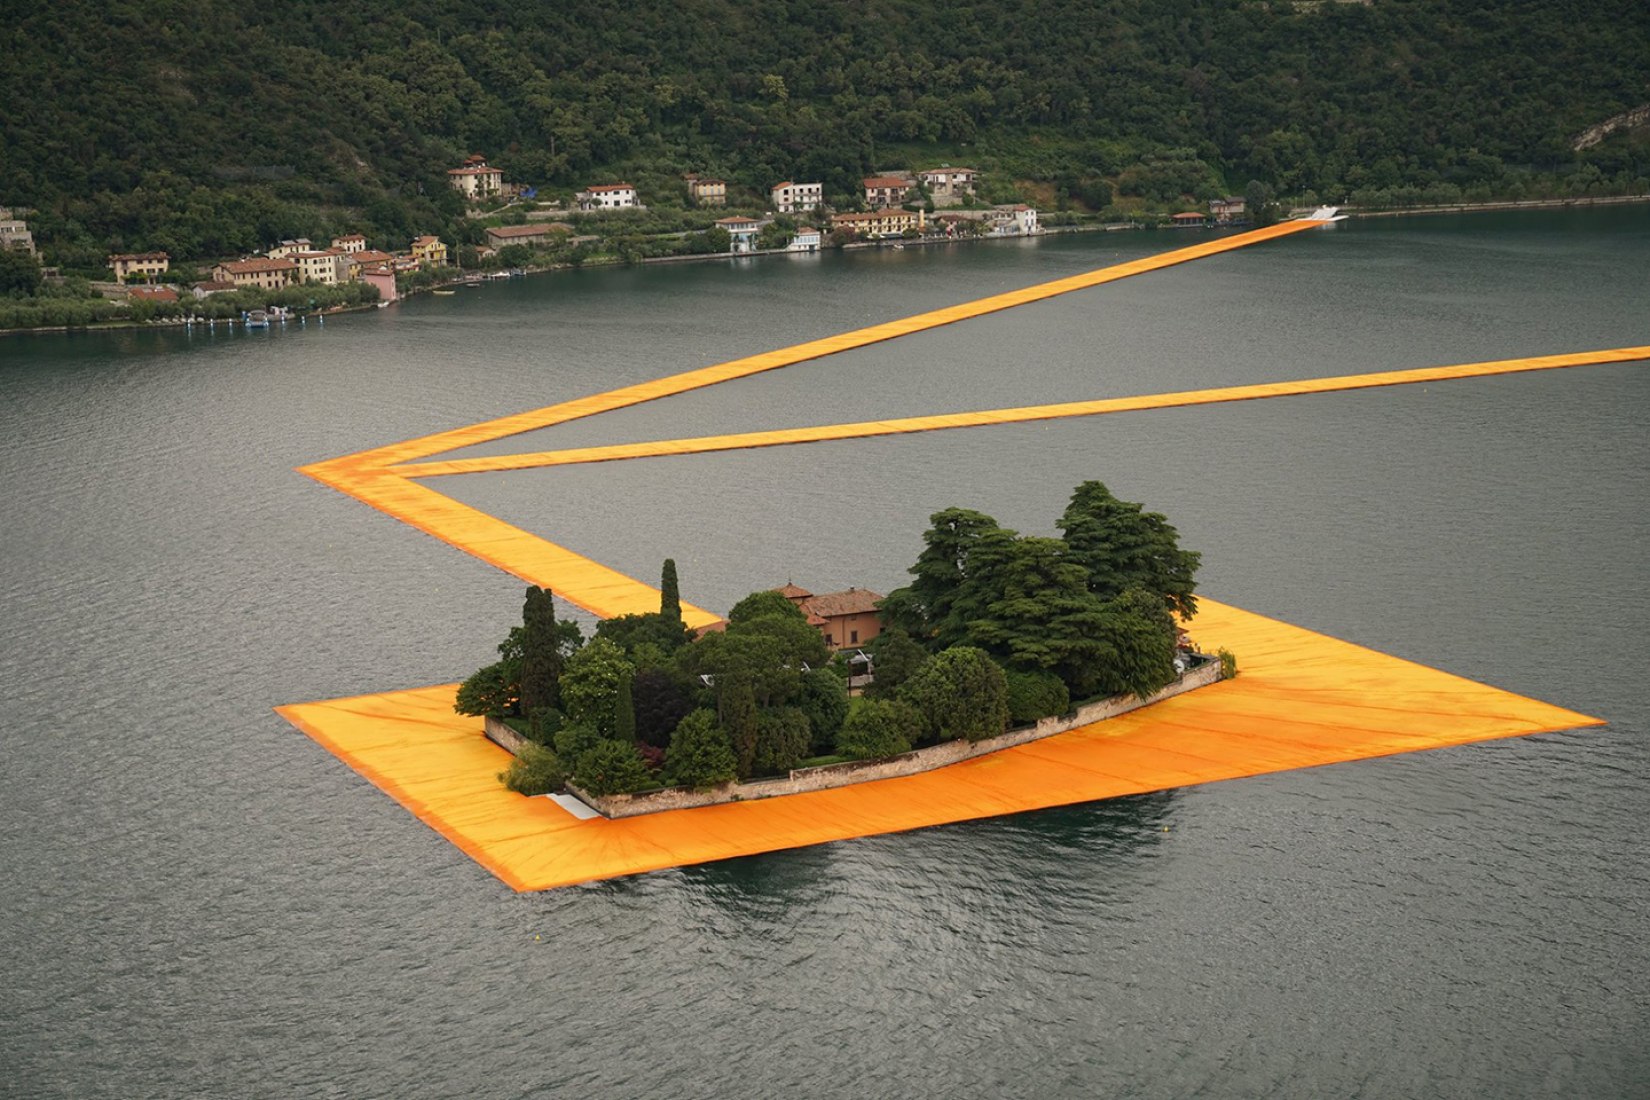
x=199, y=901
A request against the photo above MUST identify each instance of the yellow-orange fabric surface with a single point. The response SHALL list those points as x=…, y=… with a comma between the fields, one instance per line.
x=1302, y=699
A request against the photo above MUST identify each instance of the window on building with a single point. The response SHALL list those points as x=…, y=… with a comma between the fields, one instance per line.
x=853, y=638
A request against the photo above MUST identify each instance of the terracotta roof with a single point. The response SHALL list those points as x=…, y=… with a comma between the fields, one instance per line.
x=613, y=187
x=793, y=591
x=425, y=241
x=257, y=266
x=139, y=256
x=154, y=293
x=507, y=232
x=482, y=171
x=886, y=181
x=212, y=285
x=782, y=185
x=737, y=219
x=1188, y=215
x=370, y=256
x=855, y=601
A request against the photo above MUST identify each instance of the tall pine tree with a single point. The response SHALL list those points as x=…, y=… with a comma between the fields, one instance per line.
x=541, y=653
x=670, y=596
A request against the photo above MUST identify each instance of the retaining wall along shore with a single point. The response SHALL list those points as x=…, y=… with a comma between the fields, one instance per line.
x=864, y=771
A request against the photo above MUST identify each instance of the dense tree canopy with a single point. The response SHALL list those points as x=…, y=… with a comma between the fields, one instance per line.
x=215, y=129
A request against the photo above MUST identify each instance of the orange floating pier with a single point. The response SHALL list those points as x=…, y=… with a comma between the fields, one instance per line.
x=1302, y=700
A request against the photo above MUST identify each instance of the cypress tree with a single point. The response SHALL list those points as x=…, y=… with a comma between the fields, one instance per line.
x=541, y=655
x=670, y=597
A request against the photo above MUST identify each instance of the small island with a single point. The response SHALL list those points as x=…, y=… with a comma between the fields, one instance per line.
x=1000, y=639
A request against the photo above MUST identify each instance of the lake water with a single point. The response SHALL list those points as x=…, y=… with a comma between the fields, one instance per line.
x=200, y=901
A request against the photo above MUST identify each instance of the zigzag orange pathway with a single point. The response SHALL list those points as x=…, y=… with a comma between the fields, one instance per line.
x=1303, y=699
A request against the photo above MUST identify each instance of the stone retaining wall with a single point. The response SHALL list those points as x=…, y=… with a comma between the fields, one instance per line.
x=503, y=736
x=864, y=771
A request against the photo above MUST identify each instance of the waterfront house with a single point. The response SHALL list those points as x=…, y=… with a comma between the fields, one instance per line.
x=260, y=272
x=949, y=185
x=1014, y=220
x=429, y=251
x=142, y=265
x=499, y=236
x=806, y=240
x=889, y=222
x=742, y=232
x=847, y=619
x=355, y=262
x=476, y=180
x=608, y=196
x=205, y=290
x=885, y=190
x=354, y=242
x=706, y=192
x=1191, y=219
x=381, y=276
x=797, y=198
x=1229, y=209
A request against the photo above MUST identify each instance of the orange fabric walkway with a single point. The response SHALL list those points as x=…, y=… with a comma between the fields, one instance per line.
x=778, y=438
x=1302, y=700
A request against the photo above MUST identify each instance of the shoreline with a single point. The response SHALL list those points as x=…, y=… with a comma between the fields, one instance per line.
x=1108, y=227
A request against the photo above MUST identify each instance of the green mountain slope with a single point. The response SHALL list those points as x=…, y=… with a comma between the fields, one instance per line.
x=208, y=128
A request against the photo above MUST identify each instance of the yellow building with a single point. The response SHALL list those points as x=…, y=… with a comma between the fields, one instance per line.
x=262, y=273
x=429, y=252
x=142, y=265
x=890, y=222
x=707, y=192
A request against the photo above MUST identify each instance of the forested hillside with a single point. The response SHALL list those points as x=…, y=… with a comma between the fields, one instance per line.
x=210, y=129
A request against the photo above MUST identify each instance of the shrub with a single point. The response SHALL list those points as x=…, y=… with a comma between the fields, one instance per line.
x=700, y=754
x=535, y=770
x=612, y=767
x=491, y=690
x=876, y=728
x=575, y=739
x=960, y=693
x=1034, y=695
x=1228, y=664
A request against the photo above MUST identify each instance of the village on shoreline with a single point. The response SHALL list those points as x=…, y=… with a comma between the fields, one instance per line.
x=603, y=225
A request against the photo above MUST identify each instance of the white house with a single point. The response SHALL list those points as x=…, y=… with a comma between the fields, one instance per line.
x=797, y=198
x=806, y=240
x=1014, y=220
x=608, y=196
x=743, y=232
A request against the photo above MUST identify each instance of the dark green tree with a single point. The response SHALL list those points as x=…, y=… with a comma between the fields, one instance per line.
x=1035, y=695
x=491, y=690
x=737, y=714
x=877, y=728
x=700, y=754
x=960, y=693
x=896, y=658
x=783, y=737
x=1122, y=546
x=1260, y=203
x=670, y=595
x=534, y=771
x=662, y=700
x=590, y=685
x=541, y=659
x=824, y=700
x=953, y=578
x=612, y=767
x=1043, y=616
